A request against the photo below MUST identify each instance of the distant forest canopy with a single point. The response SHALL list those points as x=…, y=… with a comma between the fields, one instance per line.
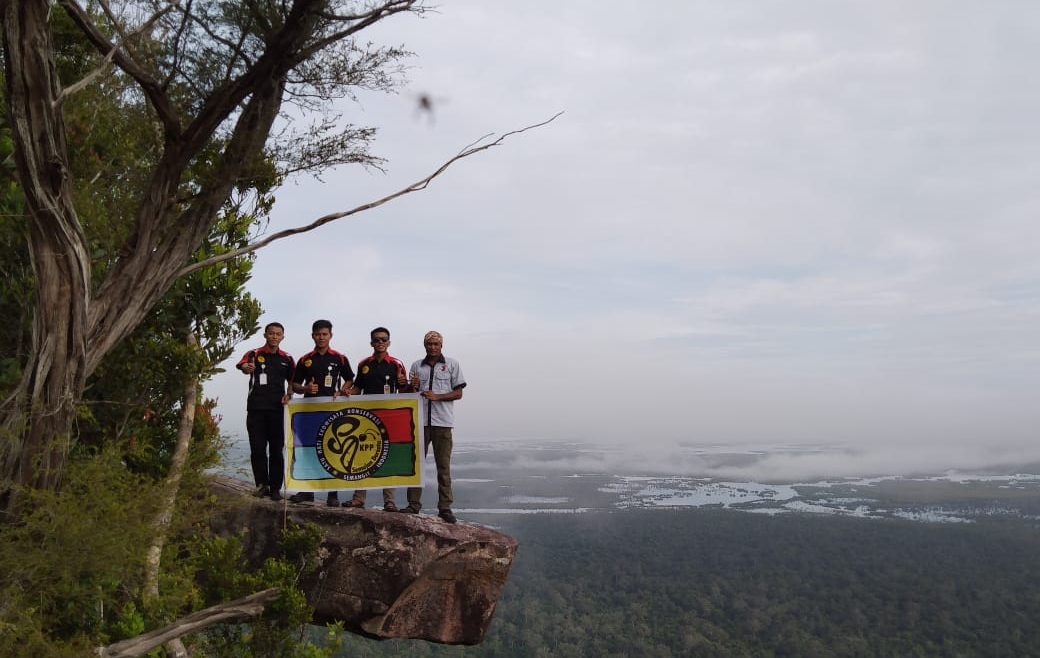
x=721, y=583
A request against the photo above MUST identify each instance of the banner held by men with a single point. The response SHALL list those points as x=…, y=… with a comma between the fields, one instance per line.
x=358, y=442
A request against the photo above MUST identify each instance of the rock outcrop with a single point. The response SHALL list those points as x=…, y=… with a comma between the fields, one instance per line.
x=383, y=574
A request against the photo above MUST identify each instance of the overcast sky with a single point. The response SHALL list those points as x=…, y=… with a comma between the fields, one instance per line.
x=792, y=221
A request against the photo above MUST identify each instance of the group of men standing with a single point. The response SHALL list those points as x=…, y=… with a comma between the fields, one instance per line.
x=323, y=372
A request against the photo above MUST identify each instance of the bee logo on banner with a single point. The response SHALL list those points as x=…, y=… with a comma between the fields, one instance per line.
x=369, y=441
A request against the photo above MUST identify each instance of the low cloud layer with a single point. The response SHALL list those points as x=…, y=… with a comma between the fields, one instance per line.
x=751, y=463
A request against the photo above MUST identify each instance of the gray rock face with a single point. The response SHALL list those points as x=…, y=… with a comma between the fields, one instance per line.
x=385, y=575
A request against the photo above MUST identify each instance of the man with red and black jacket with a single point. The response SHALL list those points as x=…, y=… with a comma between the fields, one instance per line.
x=322, y=372
x=270, y=370
x=377, y=374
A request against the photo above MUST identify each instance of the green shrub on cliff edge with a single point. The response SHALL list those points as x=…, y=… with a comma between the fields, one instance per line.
x=282, y=630
x=75, y=561
x=72, y=573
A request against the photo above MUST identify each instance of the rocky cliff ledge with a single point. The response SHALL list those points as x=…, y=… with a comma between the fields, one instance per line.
x=385, y=575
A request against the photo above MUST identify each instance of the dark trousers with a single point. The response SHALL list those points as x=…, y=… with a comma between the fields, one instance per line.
x=266, y=429
x=440, y=439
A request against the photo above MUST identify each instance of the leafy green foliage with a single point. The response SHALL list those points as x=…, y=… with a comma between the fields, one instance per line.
x=127, y=417
x=73, y=563
x=133, y=399
x=127, y=423
x=71, y=572
x=226, y=577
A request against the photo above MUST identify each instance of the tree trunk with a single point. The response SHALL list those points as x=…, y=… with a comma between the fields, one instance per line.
x=77, y=321
x=173, y=480
x=73, y=329
x=174, y=647
x=39, y=413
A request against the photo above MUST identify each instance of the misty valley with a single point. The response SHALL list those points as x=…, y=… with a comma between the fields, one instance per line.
x=640, y=562
x=512, y=478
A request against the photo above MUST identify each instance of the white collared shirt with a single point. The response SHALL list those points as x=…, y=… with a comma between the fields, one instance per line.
x=446, y=376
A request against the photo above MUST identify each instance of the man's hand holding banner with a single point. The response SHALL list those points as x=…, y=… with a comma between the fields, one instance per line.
x=358, y=442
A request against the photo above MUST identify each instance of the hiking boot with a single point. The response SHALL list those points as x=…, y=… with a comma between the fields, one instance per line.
x=276, y=495
x=409, y=510
x=302, y=497
x=332, y=500
x=447, y=516
x=262, y=490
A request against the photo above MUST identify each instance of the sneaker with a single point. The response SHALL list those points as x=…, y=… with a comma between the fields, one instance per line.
x=447, y=516
x=409, y=510
x=332, y=500
x=262, y=490
x=302, y=497
x=389, y=506
x=354, y=502
x=276, y=495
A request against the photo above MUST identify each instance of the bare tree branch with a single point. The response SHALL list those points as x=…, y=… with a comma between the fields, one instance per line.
x=159, y=100
x=114, y=19
x=238, y=610
x=471, y=149
x=356, y=23
x=386, y=9
x=107, y=59
x=363, y=21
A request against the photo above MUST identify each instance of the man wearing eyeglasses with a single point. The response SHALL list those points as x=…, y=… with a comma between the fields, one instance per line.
x=379, y=373
x=439, y=379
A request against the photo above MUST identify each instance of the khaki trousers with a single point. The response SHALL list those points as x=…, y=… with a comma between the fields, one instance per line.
x=440, y=439
x=362, y=494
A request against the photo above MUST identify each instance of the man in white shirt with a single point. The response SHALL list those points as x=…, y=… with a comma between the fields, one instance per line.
x=440, y=381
